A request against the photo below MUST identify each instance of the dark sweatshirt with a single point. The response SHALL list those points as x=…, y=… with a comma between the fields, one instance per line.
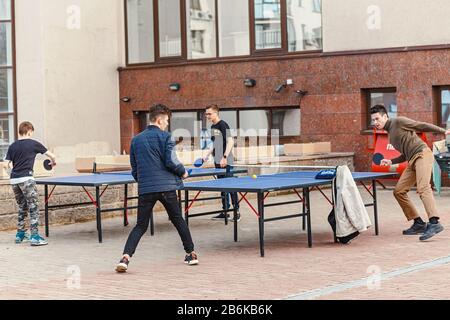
x=403, y=137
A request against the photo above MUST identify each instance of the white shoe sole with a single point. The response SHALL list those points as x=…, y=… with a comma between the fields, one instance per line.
x=38, y=244
x=192, y=262
x=121, y=267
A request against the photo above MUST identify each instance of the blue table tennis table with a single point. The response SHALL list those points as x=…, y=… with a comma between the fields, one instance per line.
x=263, y=185
x=101, y=182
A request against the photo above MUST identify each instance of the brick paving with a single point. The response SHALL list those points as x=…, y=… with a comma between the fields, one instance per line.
x=75, y=266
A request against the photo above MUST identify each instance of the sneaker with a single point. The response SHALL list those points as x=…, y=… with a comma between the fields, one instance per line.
x=37, y=240
x=191, y=259
x=238, y=217
x=432, y=229
x=416, y=228
x=22, y=236
x=122, y=266
x=349, y=238
x=221, y=216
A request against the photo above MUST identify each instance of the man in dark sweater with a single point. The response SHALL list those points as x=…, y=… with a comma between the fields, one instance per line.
x=158, y=172
x=403, y=137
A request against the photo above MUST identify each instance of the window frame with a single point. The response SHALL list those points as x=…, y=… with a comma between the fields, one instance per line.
x=254, y=54
x=367, y=102
x=438, y=103
x=13, y=113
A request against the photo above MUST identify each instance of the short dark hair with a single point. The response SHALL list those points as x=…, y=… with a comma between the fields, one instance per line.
x=214, y=107
x=25, y=127
x=379, y=108
x=159, y=110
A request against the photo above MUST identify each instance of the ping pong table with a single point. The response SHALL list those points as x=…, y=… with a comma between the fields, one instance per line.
x=101, y=182
x=263, y=185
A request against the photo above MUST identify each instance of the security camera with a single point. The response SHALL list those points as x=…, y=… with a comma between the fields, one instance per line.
x=301, y=92
x=279, y=88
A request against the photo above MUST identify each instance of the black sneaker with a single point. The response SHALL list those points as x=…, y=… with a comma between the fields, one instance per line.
x=432, y=229
x=416, y=228
x=221, y=216
x=191, y=259
x=349, y=238
x=122, y=266
x=238, y=216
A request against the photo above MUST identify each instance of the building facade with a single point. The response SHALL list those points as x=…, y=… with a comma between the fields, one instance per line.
x=347, y=55
x=85, y=72
x=58, y=69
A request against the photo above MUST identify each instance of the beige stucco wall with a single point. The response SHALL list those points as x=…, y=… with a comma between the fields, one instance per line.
x=372, y=24
x=67, y=54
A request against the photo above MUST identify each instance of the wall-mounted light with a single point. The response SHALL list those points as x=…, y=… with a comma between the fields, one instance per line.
x=250, y=82
x=126, y=99
x=174, y=86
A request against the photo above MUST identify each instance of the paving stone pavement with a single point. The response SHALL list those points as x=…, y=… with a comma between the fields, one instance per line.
x=75, y=266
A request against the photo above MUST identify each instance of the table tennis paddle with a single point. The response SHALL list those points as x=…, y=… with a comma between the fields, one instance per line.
x=48, y=165
x=199, y=162
x=377, y=157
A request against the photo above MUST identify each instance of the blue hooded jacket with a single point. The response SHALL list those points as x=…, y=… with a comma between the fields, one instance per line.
x=154, y=163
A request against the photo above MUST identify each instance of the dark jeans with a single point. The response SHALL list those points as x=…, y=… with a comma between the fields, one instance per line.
x=146, y=202
x=226, y=195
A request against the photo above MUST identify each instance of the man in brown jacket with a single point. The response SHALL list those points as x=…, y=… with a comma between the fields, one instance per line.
x=403, y=137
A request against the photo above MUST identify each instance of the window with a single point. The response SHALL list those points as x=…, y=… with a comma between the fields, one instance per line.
x=234, y=30
x=254, y=123
x=185, y=124
x=187, y=30
x=317, y=5
x=169, y=21
x=7, y=106
x=267, y=24
x=201, y=26
x=386, y=97
x=443, y=106
x=140, y=31
x=243, y=123
x=5, y=9
x=304, y=26
x=286, y=121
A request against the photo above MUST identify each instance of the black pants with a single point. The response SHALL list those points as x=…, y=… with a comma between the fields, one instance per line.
x=226, y=195
x=146, y=202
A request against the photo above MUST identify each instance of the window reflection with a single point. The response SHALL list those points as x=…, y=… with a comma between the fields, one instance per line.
x=140, y=31
x=304, y=23
x=234, y=33
x=267, y=24
x=201, y=26
x=445, y=107
x=169, y=28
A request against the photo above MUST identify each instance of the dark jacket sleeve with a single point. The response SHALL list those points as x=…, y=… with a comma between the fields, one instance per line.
x=133, y=163
x=170, y=158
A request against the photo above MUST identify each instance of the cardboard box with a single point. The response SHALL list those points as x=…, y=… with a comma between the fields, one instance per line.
x=322, y=147
x=307, y=148
x=254, y=152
